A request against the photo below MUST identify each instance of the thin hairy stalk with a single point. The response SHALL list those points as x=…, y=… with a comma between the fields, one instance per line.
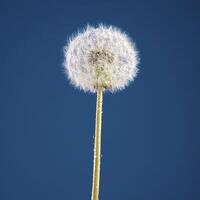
x=97, y=146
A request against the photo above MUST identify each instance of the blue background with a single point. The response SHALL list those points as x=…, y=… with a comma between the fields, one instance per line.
x=150, y=136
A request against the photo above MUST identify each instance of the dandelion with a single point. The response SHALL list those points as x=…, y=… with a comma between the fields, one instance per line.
x=99, y=59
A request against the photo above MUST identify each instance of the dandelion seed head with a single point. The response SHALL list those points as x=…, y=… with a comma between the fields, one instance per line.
x=101, y=57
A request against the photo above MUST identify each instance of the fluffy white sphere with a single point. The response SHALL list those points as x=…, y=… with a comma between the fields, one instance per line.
x=101, y=57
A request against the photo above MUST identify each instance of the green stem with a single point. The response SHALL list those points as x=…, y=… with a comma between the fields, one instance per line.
x=97, y=146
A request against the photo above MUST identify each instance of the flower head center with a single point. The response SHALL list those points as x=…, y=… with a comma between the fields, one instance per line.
x=100, y=57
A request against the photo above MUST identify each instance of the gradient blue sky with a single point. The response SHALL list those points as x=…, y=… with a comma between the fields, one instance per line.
x=150, y=135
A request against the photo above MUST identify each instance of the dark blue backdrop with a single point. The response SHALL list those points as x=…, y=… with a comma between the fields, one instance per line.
x=150, y=130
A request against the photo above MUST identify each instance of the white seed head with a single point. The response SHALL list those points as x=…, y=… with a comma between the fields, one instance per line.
x=101, y=57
